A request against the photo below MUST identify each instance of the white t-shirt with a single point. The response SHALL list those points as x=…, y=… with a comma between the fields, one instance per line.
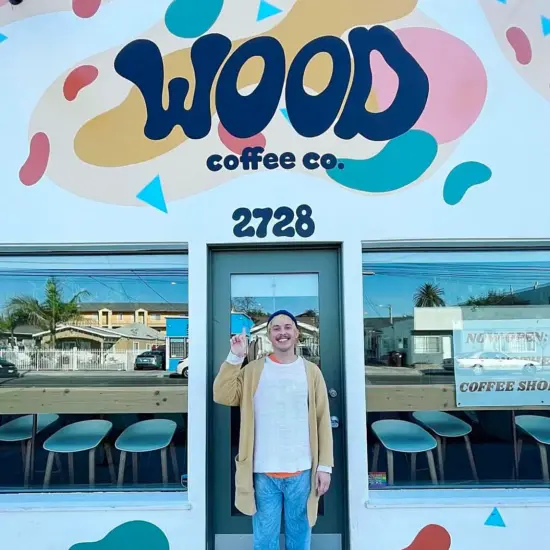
x=281, y=428
x=281, y=418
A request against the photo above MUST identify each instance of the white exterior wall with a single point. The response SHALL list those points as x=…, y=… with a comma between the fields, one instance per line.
x=79, y=203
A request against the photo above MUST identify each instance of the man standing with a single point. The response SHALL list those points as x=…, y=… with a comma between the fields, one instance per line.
x=285, y=442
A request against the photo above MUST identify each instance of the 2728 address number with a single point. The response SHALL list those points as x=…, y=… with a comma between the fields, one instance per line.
x=289, y=222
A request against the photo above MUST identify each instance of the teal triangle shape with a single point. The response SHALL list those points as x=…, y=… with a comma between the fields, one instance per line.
x=266, y=10
x=153, y=195
x=2, y=37
x=545, y=22
x=284, y=113
x=495, y=519
x=502, y=1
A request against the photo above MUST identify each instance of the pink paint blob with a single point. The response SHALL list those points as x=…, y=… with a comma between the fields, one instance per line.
x=3, y=2
x=431, y=537
x=86, y=8
x=236, y=145
x=37, y=161
x=458, y=82
x=520, y=44
x=78, y=79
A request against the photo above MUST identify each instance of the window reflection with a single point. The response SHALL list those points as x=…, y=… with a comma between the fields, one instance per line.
x=483, y=316
x=255, y=297
x=100, y=315
x=91, y=322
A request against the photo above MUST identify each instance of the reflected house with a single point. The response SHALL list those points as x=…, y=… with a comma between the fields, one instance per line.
x=177, y=341
x=134, y=337
x=384, y=335
x=239, y=321
x=113, y=315
x=21, y=338
x=432, y=334
x=537, y=294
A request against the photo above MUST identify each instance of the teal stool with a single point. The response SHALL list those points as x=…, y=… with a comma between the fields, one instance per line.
x=145, y=437
x=443, y=426
x=400, y=436
x=75, y=438
x=20, y=430
x=538, y=428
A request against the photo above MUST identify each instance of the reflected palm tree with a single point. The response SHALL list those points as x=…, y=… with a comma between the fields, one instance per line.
x=429, y=295
x=9, y=322
x=49, y=313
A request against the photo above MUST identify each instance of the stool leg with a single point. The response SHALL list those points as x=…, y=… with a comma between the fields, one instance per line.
x=544, y=462
x=174, y=458
x=471, y=457
x=91, y=467
x=28, y=463
x=164, y=463
x=70, y=460
x=413, y=467
x=58, y=463
x=440, y=458
x=49, y=467
x=110, y=462
x=135, y=468
x=431, y=465
x=389, y=455
x=517, y=458
x=23, y=450
x=375, y=456
x=121, y=467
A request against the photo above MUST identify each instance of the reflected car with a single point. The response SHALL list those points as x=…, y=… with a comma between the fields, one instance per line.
x=183, y=368
x=8, y=369
x=483, y=361
x=151, y=360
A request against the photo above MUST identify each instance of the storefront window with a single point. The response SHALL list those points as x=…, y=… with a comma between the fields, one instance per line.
x=89, y=399
x=457, y=365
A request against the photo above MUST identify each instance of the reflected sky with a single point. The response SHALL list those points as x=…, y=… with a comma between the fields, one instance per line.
x=393, y=279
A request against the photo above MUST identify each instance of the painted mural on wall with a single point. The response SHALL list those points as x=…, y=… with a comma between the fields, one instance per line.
x=521, y=29
x=371, y=96
x=376, y=101
x=133, y=535
x=143, y=535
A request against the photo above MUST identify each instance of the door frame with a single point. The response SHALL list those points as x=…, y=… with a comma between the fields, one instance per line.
x=252, y=248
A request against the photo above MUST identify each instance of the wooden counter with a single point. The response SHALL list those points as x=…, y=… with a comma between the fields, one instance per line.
x=419, y=397
x=93, y=395
x=103, y=395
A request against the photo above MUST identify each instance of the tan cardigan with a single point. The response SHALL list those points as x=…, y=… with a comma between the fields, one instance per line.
x=236, y=386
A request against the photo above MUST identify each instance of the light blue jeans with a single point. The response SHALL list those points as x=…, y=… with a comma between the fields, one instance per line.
x=270, y=494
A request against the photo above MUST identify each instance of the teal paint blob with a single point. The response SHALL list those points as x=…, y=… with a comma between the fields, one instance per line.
x=190, y=19
x=495, y=519
x=134, y=535
x=153, y=195
x=265, y=10
x=402, y=161
x=461, y=178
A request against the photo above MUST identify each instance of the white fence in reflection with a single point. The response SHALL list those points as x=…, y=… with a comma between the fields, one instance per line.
x=71, y=360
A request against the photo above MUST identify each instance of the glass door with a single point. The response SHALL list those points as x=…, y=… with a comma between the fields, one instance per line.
x=246, y=288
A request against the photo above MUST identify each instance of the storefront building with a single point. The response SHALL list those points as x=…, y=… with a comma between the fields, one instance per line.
x=174, y=171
